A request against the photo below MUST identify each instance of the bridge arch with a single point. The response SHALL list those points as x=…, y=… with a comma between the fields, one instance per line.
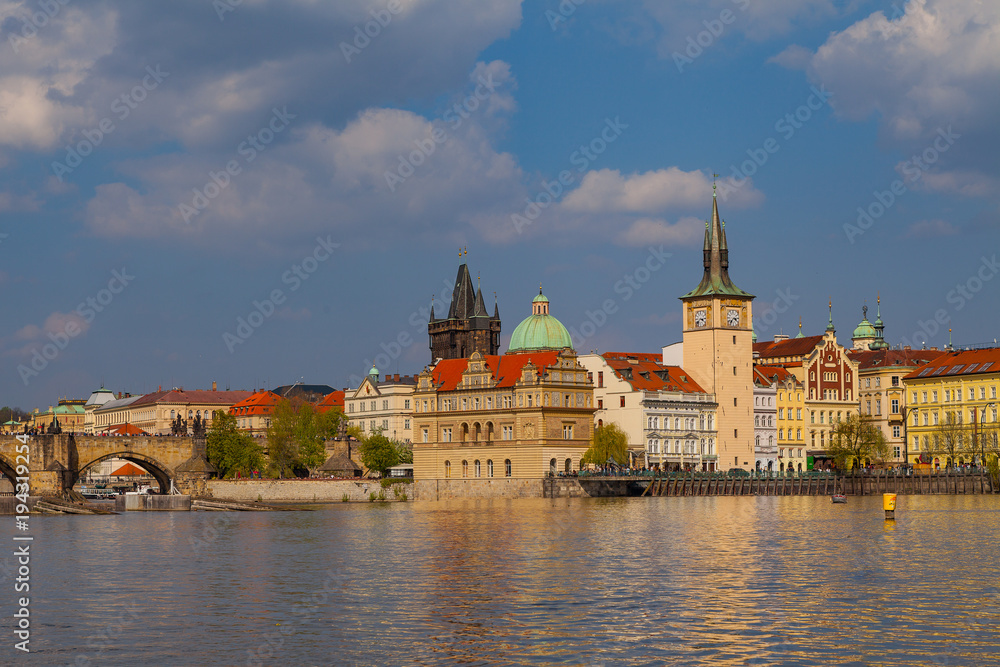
x=8, y=470
x=160, y=473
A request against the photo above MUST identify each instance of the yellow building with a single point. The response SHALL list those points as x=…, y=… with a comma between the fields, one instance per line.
x=830, y=378
x=69, y=413
x=952, y=416
x=791, y=420
x=492, y=425
x=881, y=393
x=718, y=348
x=154, y=413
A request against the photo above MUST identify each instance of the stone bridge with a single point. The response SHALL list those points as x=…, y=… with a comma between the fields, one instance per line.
x=55, y=462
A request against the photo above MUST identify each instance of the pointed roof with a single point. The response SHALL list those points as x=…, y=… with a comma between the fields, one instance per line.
x=130, y=470
x=716, y=261
x=463, y=296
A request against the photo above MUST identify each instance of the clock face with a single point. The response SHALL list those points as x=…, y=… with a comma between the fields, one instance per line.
x=700, y=318
x=733, y=317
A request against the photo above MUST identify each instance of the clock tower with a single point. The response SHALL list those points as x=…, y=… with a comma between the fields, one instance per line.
x=718, y=347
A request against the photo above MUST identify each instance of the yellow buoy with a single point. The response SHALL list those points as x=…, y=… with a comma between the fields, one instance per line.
x=889, y=505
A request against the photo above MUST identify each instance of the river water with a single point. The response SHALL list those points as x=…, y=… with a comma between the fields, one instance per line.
x=629, y=581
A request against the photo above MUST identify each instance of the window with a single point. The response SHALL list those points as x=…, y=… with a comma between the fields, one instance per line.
x=447, y=469
x=350, y=407
x=868, y=383
x=465, y=404
x=781, y=413
x=372, y=425
x=385, y=404
x=895, y=380
x=895, y=406
x=446, y=435
x=600, y=404
x=507, y=402
x=734, y=401
x=489, y=468
x=506, y=468
x=465, y=468
x=934, y=396
x=508, y=432
x=972, y=393
x=878, y=382
x=798, y=414
x=600, y=378
x=878, y=406
x=373, y=405
x=406, y=424
x=798, y=434
x=567, y=431
x=406, y=404
x=425, y=435
x=385, y=424
x=982, y=393
x=812, y=417
x=895, y=432
x=781, y=434
x=476, y=468
x=896, y=451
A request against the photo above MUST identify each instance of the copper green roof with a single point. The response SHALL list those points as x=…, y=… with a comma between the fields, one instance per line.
x=865, y=328
x=716, y=279
x=539, y=331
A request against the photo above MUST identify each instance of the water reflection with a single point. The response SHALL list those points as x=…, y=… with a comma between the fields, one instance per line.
x=764, y=581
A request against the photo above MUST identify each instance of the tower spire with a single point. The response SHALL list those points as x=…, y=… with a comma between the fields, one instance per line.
x=829, y=327
x=716, y=261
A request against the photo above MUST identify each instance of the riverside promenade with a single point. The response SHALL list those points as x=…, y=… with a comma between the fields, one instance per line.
x=817, y=483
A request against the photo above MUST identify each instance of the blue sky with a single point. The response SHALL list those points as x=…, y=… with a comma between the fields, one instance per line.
x=281, y=197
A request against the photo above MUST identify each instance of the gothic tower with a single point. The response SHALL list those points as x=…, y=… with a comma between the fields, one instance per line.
x=469, y=327
x=718, y=347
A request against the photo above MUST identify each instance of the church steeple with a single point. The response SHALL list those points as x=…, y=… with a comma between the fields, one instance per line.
x=716, y=260
x=468, y=327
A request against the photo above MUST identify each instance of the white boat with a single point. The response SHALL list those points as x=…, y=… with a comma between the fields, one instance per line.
x=142, y=490
x=839, y=498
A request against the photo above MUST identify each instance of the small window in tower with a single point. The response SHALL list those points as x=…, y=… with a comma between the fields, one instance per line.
x=734, y=401
x=734, y=340
x=622, y=401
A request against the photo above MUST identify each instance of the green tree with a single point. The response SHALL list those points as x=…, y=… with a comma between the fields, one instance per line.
x=609, y=442
x=856, y=439
x=230, y=450
x=309, y=434
x=281, y=446
x=404, y=451
x=378, y=452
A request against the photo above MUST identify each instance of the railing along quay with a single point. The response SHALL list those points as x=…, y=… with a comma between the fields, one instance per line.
x=821, y=483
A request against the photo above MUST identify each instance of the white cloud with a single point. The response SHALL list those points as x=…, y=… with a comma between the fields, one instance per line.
x=650, y=192
x=58, y=325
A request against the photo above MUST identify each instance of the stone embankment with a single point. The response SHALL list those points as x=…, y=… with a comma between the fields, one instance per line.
x=305, y=490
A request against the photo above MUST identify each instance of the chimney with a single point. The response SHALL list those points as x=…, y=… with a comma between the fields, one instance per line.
x=214, y=386
x=396, y=377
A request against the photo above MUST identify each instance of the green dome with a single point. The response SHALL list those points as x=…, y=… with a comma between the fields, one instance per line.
x=539, y=331
x=865, y=328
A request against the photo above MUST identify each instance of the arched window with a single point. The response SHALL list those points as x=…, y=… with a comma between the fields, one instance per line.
x=568, y=467
x=552, y=467
x=506, y=468
x=465, y=468
x=172, y=414
x=489, y=468
x=447, y=469
x=476, y=465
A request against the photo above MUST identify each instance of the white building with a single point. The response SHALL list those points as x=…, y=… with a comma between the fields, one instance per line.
x=765, y=412
x=669, y=419
x=385, y=405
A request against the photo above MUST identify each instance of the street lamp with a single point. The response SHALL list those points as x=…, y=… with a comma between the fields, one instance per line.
x=906, y=432
x=982, y=434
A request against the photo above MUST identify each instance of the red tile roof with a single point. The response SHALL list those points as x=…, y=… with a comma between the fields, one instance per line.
x=960, y=362
x=792, y=347
x=768, y=375
x=644, y=371
x=261, y=403
x=124, y=429
x=332, y=401
x=867, y=359
x=506, y=368
x=129, y=470
x=195, y=396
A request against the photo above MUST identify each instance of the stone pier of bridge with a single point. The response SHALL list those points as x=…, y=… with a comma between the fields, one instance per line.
x=55, y=462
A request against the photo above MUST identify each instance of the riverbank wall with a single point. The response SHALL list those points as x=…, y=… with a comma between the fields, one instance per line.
x=305, y=490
